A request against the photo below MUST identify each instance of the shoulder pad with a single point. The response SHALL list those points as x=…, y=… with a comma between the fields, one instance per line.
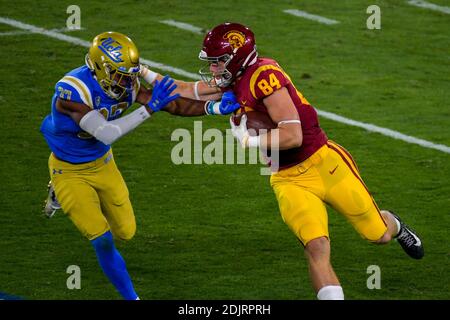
x=73, y=89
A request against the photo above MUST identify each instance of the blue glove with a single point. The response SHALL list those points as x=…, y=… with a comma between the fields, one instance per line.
x=227, y=105
x=161, y=94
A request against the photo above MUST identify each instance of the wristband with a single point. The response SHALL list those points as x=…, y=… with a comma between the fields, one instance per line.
x=148, y=75
x=289, y=121
x=196, y=95
x=212, y=107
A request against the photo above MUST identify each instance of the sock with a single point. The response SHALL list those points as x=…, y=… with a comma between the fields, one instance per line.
x=330, y=293
x=398, y=226
x=113, y=265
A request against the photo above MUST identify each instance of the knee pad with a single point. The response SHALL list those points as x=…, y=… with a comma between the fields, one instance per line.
x=125, y=232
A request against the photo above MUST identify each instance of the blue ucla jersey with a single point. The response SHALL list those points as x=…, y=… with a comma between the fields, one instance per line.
x=64, y=136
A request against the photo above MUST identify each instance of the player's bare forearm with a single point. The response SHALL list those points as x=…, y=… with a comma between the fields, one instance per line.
x=182, y=106
x=186, y=107
x=289, y=136
x=143, y=97
x=198, y=90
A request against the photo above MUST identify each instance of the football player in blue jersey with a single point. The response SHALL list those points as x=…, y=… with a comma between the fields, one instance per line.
x=86, y=118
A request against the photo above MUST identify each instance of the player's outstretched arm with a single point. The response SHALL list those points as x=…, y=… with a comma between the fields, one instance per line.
x=187, y=107
x=198, y=90
x=108, y=132
x=181, y=106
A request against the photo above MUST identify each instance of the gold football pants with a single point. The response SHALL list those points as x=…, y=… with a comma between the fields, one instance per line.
x=330, y=176
x=94, y=196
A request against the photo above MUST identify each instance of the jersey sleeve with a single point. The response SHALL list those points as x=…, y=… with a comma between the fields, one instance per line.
x=266, y=80
x=73, y=89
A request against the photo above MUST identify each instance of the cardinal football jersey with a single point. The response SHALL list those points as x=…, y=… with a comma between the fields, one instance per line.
x=261, y=80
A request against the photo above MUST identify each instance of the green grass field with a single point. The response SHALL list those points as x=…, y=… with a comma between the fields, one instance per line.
x=214, y=231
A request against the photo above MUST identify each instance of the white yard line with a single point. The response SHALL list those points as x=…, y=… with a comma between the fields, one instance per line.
x=183, y=26
x=87, y=44
x=66, y=30
x=23, y=32
x=329, y=115
x=428, y=5
x=384, y=131
x=14, y=33
x=306, y=15
x=48, y=33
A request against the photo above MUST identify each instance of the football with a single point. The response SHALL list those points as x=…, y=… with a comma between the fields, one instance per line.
x=255, y=120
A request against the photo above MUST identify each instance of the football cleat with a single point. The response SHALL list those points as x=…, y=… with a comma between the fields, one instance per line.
x=51, y=204
x=409, y=240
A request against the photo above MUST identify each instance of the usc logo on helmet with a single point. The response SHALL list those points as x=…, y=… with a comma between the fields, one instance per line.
x=235, y=38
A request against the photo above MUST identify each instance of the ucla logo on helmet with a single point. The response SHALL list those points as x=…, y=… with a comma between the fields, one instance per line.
x=111, y=51
x=235, y=38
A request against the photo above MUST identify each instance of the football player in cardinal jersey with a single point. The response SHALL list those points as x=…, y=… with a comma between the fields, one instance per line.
x=313, y=170
x=86, y=118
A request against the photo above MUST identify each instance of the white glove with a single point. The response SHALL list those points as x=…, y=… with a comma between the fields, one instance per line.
x=241, y=133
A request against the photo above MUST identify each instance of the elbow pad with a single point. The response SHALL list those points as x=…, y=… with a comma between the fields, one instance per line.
x=109, y=131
